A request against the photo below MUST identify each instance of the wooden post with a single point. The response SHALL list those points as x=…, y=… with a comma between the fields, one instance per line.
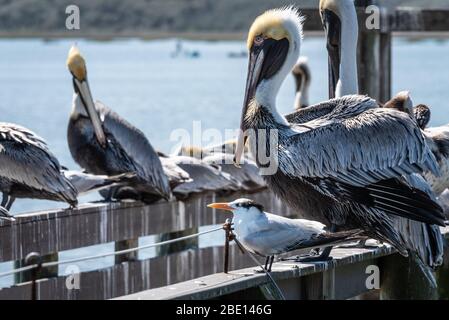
x=402, y=279
x=374, y=54
x=123, y=245
x=180, y=245
x=48, y=272
x=442, y=276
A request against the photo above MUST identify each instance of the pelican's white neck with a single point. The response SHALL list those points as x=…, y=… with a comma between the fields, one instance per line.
x=348, y=82
x=77, y=106
x=268, y=89
x=302, y=96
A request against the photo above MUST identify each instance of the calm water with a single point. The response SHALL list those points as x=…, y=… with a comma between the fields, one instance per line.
x=157, y=93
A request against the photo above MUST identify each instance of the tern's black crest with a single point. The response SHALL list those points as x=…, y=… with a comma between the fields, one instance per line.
x=250, y=203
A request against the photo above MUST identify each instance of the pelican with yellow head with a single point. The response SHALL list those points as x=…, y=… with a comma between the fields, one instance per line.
x=274, y=42
x=330, y=159
x=104, y=143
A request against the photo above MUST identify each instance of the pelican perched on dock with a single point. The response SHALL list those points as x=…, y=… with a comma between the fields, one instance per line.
x=29, y=169
x=438, y=140
x=344, y=165
x=175, y=174
x=246, y=176
x=341, y=25
x=204, y=177
x=227, y=147
x=86, y=182
x=104, y=143
x=301, y=74
x=267, y=234
x=422, y=115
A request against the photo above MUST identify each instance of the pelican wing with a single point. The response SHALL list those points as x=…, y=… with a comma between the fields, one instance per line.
x=374, y=145
x=322, y=109
x=247, y=176
x=204, y=177
x=175, y=174
x=362, y=157
x=26, y=160
x=135, y=148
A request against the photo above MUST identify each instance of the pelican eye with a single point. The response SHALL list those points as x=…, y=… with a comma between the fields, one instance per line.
x=258, y=40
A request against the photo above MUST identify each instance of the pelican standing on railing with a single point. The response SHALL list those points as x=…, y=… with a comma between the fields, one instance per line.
x=104, y=143
x=340, y=23
x=301, y=74
x=29, y=169
x=344, y=168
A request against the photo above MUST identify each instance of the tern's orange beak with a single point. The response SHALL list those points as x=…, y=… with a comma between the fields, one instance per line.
x=221, y=205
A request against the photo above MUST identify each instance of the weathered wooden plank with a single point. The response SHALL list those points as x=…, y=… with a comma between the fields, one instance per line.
x=419, y=20
x=133, y=276
x=403, y=19
x=350, y=261
x=181, y=276
x=53, y=231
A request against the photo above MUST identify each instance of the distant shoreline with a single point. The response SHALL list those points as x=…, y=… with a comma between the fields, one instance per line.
x=204, y=36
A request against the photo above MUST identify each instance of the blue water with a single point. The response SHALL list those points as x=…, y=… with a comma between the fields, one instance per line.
x=158, y=93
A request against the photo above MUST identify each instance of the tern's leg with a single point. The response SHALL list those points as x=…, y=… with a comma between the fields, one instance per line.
x=259, y=270
x=9, y=203
x=271, y=264
x=267, y=261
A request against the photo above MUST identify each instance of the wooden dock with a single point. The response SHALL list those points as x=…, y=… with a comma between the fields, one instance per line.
x=344, y=277
x=122, y=224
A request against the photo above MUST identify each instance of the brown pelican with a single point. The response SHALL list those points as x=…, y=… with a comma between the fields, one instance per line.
x=86, y=182
x=247, y=176
x=443, y=200
x=302, y=75
x=227, y=147
x=340, y=24
x=203, y=178
x=29, y=169
x=437, y=138
x=104, y=143
x=344, y=165
x=267, y=234
x=174, y=173
x=401, y=102
x=422, y=115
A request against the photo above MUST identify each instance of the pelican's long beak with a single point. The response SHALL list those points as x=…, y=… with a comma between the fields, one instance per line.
x=221, y=205
x=86, y=97
x=332, y=27
x=77, y=67
x=264, y=61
